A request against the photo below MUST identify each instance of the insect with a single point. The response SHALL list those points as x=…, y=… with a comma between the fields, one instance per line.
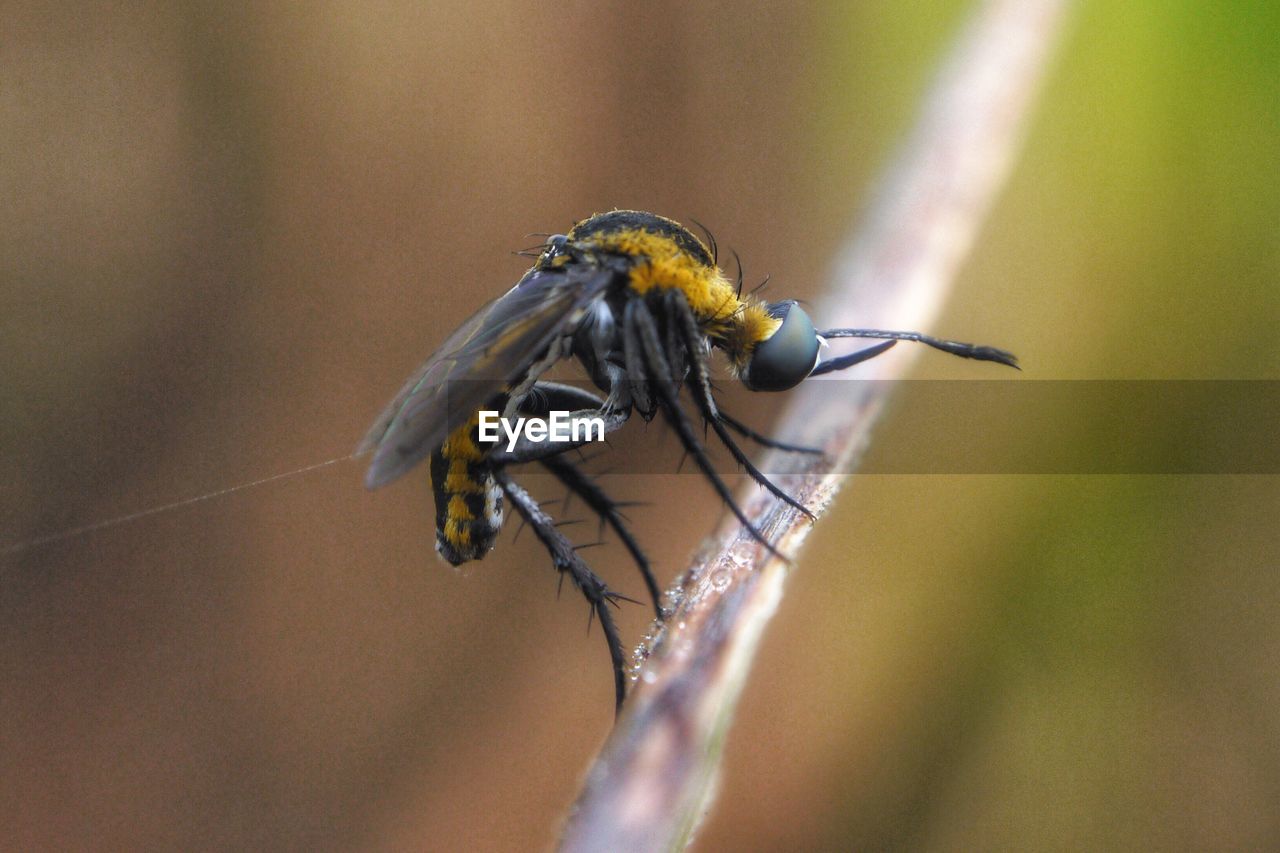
x=640, y=303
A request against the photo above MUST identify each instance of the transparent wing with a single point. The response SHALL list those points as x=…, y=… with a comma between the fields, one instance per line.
x=490, y=352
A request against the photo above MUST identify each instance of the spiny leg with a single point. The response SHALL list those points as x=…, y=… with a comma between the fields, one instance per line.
x=641, y=331
x=633, y=359
x=528, y=450
x=678, y=344
x=607, y=508
x=566, y=561
x=675, y=348
x=679, y=315
x=764, y=440
x=545, y=397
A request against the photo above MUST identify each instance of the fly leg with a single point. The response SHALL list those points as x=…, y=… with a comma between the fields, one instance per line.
x=763, y=440
x=567, y=561
x=546, y=397
x=608, y=510
x=643, y=344
x=679, y=315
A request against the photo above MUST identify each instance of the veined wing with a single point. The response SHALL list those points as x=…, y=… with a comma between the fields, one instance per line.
x=489, y=353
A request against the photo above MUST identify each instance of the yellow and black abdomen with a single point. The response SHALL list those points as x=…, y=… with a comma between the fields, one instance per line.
x=468, y=498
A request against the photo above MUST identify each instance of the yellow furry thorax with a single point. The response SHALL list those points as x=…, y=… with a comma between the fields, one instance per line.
x=734, y=323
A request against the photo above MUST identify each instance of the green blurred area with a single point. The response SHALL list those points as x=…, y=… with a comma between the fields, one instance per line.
x=231, y=232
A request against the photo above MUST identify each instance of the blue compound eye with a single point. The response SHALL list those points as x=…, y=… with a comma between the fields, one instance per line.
x=788, y=356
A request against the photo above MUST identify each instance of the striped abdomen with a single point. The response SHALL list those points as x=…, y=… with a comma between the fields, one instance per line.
x=468, y=499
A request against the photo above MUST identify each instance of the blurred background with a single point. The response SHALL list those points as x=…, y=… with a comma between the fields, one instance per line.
x=231, y=232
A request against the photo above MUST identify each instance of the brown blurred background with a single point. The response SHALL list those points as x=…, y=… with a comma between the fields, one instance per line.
x=229, y=233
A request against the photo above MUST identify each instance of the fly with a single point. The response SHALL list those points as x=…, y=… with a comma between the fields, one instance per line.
x=640, y=303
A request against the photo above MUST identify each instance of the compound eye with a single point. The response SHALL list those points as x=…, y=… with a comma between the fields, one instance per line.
x=554, y=247
x=788, y=356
